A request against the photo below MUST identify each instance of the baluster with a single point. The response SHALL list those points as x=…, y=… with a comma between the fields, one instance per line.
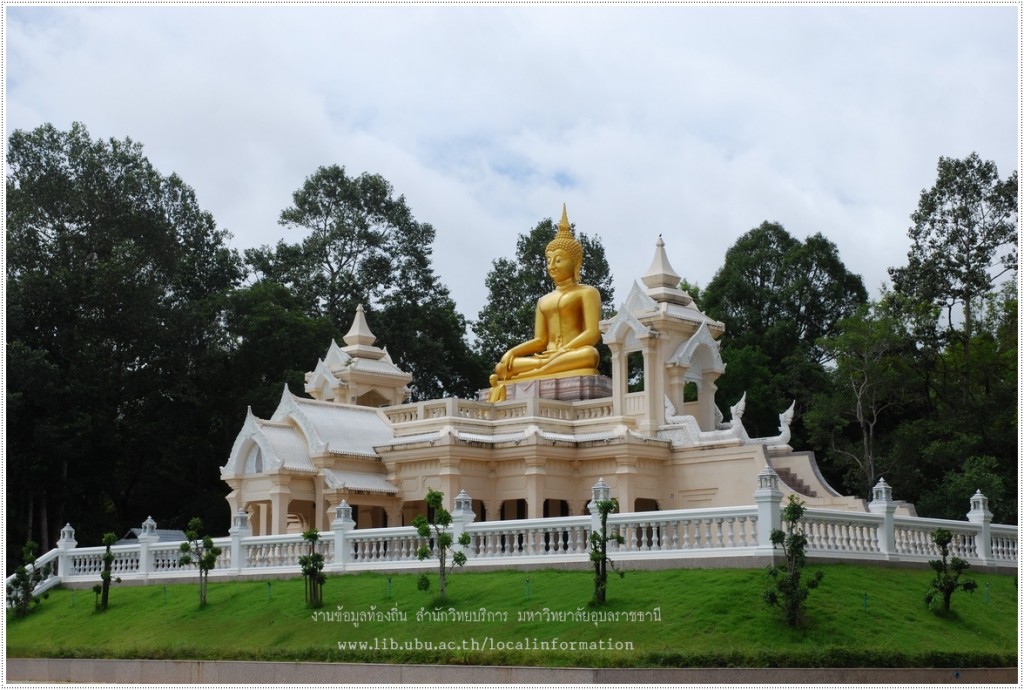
x=744, y=537
x=686, y=534
x=730, y=522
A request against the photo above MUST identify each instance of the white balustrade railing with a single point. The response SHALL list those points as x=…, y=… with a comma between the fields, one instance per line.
x=686, y=530
x=1004, y=543
x=527, y=539
x=702, y=533
x=636, y=404
x=50, y=560
x=835, y=531
x=914, y=538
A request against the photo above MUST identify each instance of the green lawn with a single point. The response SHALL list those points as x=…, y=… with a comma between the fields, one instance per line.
x=707, y=618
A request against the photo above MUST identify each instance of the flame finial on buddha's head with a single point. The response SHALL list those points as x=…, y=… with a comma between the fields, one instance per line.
x=565, y=241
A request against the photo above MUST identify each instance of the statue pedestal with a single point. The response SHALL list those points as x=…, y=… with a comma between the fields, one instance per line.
x=566, y=388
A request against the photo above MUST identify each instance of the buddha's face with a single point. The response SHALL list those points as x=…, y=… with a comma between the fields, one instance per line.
x=560, y=265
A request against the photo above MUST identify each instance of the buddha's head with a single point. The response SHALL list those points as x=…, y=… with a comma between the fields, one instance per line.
x=565, y=244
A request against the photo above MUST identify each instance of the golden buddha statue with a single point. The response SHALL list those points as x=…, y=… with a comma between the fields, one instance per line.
x=566, y=325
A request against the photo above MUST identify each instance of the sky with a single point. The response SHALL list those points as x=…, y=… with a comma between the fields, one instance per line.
x=697, y=123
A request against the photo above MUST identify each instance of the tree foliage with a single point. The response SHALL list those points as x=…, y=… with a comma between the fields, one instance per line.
x=199, y=550
x=515, y=285
x=102, y=590
x=437, y=528
x=599, y=552
x=312, y=565
x=788, y=590
x=21, y=598
x=778, y=297
x=362, y=245
x=964, y=238
x=853, y=416
x=962, y=360
x=113, y=274
x=947, y=572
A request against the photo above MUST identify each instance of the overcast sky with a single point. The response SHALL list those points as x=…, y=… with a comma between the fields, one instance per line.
x=694, y=122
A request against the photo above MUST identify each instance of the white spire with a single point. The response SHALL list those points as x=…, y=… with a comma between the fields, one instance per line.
x=661, y=279
x=360, y=333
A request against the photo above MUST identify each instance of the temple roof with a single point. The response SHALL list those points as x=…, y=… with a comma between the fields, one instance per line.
x=359, y=481
x=336, y=427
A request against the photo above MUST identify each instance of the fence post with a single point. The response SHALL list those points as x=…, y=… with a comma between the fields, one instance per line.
x=882, y=504
x=66, y=544
x=462, y=517
x=146, y=537
x=981, y=516
x=769, y=511
x=341, y=524
x=600, y=492
x=239, y=530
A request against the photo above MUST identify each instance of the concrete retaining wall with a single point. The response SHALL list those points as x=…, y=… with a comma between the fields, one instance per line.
x=127, y=672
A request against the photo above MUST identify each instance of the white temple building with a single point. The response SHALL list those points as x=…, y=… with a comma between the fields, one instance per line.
x=533, y=455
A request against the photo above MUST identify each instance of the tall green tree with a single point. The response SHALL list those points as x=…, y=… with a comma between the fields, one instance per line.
x=957, y=296
x=963, y=240
x=515, y=285
x=851, y=418
x=113, y=273
x=778, y=297
x=362, y=245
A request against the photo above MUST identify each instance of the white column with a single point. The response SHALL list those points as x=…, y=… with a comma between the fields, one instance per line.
x=769, y=511
x=239, y=531
x=66, y=544
x=146, y=538
x=981, y=516
x=654, y=383
x=882, y=504
x=601, y=492
x=462, y=517
x=341, y=525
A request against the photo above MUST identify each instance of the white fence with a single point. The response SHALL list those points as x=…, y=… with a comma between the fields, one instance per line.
x=686, y=537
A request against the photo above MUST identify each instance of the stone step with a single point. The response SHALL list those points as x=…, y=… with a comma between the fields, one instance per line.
x=790, y=479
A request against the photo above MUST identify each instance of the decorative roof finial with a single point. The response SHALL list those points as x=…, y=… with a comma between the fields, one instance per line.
x=360, y=333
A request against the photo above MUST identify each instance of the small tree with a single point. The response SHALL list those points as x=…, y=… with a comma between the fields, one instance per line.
x=599, y=552
x=20, y=595
x=201, y=552
x=947, y=574
x=437, y=526
x=103, y=590
x=787, y=590
x=312, y=565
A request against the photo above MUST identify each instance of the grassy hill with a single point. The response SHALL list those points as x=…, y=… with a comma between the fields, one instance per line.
x=669, y=618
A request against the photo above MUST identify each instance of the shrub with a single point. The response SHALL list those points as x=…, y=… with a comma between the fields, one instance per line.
x=787, y=589
x=947, y=574
x=312, y=565
x=102, y=590
x=200, y=551
x=599, y=553
x=438, y=527
x=20, y=595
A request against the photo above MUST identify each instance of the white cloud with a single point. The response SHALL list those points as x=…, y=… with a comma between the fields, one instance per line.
x=695, y=122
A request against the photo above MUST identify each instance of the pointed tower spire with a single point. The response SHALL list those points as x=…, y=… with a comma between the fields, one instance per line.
x=360, y=333
x=661, y=279
x=661, y=273
x=359, y=339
